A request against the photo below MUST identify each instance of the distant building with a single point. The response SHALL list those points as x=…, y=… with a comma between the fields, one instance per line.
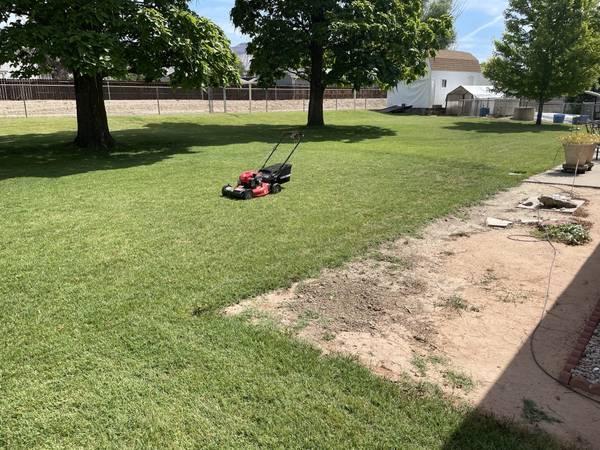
x=288, y=80
x=446, y=72
x=5, y=71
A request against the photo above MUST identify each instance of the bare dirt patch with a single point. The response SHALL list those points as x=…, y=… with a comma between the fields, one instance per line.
x=457, y=306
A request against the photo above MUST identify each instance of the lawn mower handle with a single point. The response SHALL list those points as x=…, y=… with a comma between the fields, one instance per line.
x=296, y=136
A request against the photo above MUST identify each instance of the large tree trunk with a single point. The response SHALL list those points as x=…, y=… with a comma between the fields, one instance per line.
x=317, y=88
x=92, y=124
x=540, y=112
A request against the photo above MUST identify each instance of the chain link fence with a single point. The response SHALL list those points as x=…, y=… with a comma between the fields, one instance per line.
x=478, y=107
x=27, y=98
x=505, y=107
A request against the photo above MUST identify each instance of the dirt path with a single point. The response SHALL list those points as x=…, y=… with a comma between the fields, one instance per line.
x=458, y=306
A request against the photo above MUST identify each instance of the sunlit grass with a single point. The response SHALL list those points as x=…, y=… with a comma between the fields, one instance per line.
x=114, y=270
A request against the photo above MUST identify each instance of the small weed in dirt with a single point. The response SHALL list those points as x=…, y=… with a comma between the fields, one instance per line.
x=415, y=285
x=258, y=317
x=569, y=233
x=489, y=277
x=328, y=336
x=420, y=363
x=304, y=320
x=438, y=360
x=423, y=389
x=455, y=302
x=459, y=380
x=534, y=415
x=396, y=261
x=460, y=234
x=582, y=213
x=512, y=297
x=462, y=214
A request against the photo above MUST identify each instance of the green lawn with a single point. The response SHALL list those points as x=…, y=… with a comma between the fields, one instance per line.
x=104, y=260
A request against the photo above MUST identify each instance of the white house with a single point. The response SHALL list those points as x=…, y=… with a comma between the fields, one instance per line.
x=447, y=71
x=5, y=71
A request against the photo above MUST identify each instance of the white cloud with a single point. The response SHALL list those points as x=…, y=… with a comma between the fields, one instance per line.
x=469, y=37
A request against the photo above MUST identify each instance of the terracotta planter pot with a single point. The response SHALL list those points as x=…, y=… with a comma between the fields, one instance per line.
x=578, y=154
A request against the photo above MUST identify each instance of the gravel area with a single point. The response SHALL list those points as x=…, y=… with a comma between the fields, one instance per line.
x=589, y=365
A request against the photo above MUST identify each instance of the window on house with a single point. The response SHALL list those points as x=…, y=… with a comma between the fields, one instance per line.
x=444, y=83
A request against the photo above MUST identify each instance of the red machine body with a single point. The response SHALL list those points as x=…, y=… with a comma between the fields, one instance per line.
x=246, y=178
x=266, y=180
x=252, y=180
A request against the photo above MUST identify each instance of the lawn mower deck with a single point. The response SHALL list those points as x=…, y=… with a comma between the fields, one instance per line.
x=266, y=180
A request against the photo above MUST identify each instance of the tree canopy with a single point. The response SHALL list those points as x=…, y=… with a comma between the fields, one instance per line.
x=350, y=42
x=438, y=9
x=113, y=38
x=550, y=48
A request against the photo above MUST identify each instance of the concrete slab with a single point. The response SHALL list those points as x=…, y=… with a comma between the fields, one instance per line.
x=497, y=223
x=589, y=179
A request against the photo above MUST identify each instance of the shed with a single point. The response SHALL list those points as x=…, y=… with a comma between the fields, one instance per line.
x=473, y=92
x=474, y=100
x=446, y=72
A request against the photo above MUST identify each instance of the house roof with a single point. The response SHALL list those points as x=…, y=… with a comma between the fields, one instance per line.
x=478, y=92
x=455, y=61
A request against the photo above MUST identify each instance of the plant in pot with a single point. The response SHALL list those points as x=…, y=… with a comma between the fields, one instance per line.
x=579, y=151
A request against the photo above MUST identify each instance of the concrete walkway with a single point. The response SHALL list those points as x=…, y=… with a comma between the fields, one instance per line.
x=590, y=179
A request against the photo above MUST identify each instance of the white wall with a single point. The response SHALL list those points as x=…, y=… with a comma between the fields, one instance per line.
x=417, y=94
x=5, y=71
x=428, y=91
x=453, y=80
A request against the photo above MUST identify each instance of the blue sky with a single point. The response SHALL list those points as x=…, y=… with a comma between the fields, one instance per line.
x=479, y=24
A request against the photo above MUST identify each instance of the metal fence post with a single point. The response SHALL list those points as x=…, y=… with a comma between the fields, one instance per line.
x=210, y=101
x=108, y=88
x=303, y=104
x=157, y=100
x=336, y=100
x=24, y=101
x=250, y=98
x=266, y=99
x=224, y=100
x=354, y=96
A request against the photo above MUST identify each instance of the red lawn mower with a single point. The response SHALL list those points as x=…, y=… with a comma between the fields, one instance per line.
x=266, y=180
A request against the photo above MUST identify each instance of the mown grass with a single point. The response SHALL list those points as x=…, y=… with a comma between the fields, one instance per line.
x=113, y=272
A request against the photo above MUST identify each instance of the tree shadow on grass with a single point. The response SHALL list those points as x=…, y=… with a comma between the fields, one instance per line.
x=53, y=154
x=502, y=127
